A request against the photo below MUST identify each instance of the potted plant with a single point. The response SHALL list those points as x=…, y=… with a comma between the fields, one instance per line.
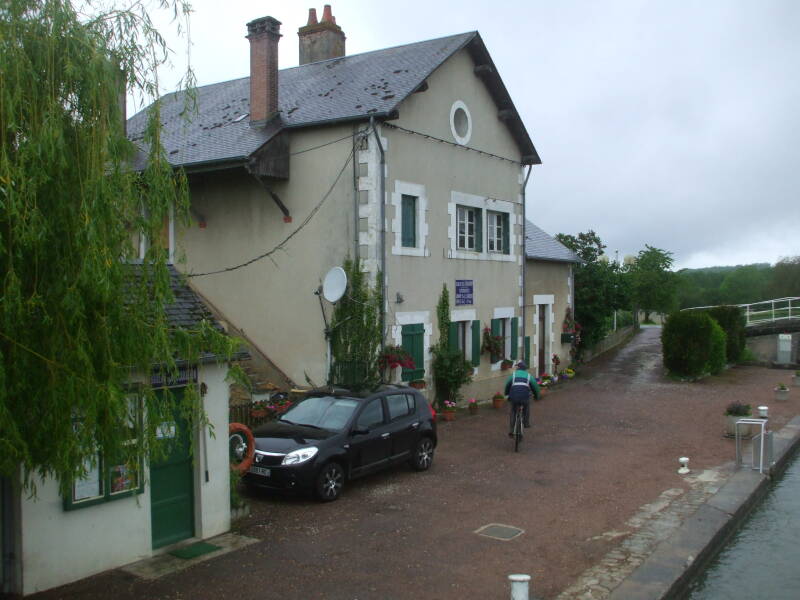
x=734, y=412
x=259, y=410
x=418, y=384
x=391, y=358
x=472, y=405
x=570, y=373
x=497, y=400
x=449, y=411
x=492, y=344
x=781, y=392
x=506, y=364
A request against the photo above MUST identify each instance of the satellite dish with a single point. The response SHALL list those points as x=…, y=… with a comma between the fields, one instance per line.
x=334, y=284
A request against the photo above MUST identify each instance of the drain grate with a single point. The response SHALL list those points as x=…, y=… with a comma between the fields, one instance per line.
x=496, y=531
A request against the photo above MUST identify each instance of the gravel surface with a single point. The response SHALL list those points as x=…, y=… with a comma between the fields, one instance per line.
x=602, y=445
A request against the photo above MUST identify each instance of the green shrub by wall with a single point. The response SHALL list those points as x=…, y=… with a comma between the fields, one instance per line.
x=686, y=343
x=731, y=320
x=717, y=356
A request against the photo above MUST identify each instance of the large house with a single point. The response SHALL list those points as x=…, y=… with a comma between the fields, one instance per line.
x=412, y=159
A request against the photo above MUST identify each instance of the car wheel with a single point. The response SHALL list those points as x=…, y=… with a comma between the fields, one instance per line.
x=423, y=455
x=330, y=482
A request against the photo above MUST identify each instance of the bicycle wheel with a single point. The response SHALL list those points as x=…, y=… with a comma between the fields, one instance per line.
x=518, y=429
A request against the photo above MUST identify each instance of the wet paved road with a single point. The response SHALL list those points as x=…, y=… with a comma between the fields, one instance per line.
x=603, y=445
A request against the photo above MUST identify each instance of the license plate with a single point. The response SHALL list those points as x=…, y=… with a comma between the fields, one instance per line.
x=260, y=471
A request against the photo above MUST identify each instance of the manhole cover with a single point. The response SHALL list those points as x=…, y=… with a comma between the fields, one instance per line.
x=499, y=532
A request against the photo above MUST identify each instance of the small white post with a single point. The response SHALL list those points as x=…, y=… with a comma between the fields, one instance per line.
x=763, y=412
x=519, y=586
x=684, y=462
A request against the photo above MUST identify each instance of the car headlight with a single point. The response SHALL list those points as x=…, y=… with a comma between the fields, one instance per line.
x=300, y=456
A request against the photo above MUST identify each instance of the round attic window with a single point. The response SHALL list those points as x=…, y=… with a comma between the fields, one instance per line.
x=460, y=122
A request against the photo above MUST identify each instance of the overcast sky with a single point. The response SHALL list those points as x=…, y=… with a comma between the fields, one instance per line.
x=669, y=123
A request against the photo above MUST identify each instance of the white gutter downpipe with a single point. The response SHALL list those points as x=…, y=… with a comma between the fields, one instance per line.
x=382, y=197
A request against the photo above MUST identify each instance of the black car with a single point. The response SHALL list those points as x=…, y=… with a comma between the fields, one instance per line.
x=329, y=438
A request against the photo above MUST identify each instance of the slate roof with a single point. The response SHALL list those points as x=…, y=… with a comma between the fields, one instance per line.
x=188, y=310
x=352, y=87
x=542, y=246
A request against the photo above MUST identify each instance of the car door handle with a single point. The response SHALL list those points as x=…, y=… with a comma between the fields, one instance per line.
x=385, y=435
x=415, y=425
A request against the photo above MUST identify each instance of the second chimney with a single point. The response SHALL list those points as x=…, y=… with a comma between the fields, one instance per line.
x=320, y=40
x=264, y=34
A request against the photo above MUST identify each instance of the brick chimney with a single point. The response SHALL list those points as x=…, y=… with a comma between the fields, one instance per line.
x=320, y=40
x=264, y=34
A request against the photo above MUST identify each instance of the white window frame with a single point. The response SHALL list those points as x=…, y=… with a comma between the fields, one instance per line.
x=485, y=204
x=465, y=212
x=462, y=140
x=466, y=315
x=417, y=190
x=506, y=313
x=492, y=239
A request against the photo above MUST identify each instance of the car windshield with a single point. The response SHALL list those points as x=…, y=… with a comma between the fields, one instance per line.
x=325, y=412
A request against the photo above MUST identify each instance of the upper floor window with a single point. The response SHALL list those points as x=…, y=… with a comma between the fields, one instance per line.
x=408, y=225
x=469, y=228
x=497, y=238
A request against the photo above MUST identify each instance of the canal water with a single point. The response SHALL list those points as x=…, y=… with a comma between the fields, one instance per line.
x=763, y=558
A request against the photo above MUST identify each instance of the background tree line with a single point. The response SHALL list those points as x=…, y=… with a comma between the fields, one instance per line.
x=743, y=284
x=647, y=283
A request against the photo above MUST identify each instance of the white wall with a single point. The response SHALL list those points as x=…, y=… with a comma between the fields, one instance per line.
x=60, y=546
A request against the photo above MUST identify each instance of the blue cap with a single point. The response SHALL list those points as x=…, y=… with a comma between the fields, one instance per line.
x=521, y=365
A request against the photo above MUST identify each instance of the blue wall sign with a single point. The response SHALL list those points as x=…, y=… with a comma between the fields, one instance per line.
x=464, y=294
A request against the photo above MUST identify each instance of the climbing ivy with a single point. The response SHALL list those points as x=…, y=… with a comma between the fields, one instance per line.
x=78, y=323
x=356, y=330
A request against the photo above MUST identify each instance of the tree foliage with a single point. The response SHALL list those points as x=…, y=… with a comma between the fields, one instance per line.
x=742, y=284
x=356, y=329
x=653, y=285
x=693, y=344
x=451, y=370
x=785, y=278
x=77, y=323
x=600, y=286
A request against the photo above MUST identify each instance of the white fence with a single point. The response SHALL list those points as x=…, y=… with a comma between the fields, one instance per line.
x=767, y=311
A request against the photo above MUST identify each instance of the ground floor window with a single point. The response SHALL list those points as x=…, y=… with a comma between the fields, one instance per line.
x=413, y=342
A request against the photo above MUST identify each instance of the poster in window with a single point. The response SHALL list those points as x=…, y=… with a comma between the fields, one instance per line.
x=123, y=478
x=91, y=485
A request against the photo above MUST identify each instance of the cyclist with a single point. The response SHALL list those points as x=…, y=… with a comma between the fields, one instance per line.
x=518, y=391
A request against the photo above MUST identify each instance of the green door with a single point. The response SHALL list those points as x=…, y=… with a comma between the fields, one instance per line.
x=413, y=337
x=172, y=485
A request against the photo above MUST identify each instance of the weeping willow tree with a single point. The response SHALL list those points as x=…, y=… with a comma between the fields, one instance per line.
x=78, y=323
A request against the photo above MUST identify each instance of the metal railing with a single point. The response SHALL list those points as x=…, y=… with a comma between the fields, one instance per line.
x=762, y=444
x=766, y=311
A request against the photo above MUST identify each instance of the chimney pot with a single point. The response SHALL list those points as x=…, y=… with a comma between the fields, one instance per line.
x=264, y=34
x=320, y=40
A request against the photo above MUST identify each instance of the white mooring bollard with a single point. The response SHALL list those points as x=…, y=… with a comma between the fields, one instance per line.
x=684, y=462
x=519, y=586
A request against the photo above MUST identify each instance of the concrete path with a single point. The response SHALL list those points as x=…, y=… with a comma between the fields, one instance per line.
x=594, y=489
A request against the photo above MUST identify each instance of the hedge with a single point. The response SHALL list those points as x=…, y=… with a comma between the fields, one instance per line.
x=692, y=344
x=731, y=320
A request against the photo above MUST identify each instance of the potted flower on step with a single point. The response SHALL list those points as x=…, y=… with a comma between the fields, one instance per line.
x=734, y=412
x=781, y=392
x=418, y=384
x=259, y=410
x=497, y=400
x=449, y=411
x=472, y=405
x=570, y=373
x=506, y=364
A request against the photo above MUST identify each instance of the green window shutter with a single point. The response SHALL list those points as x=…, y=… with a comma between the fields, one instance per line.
x=452, y=336
x=514, y=337
x=506, y=234
x=478, y=230
x=413, y=337
x=527, y=350
x=476, y=343
x=496, y=324
x=409, y=222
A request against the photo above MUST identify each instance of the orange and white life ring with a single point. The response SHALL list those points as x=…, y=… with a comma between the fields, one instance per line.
x=242, y=446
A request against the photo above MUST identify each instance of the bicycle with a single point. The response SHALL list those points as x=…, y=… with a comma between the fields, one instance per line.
x=517, y=431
